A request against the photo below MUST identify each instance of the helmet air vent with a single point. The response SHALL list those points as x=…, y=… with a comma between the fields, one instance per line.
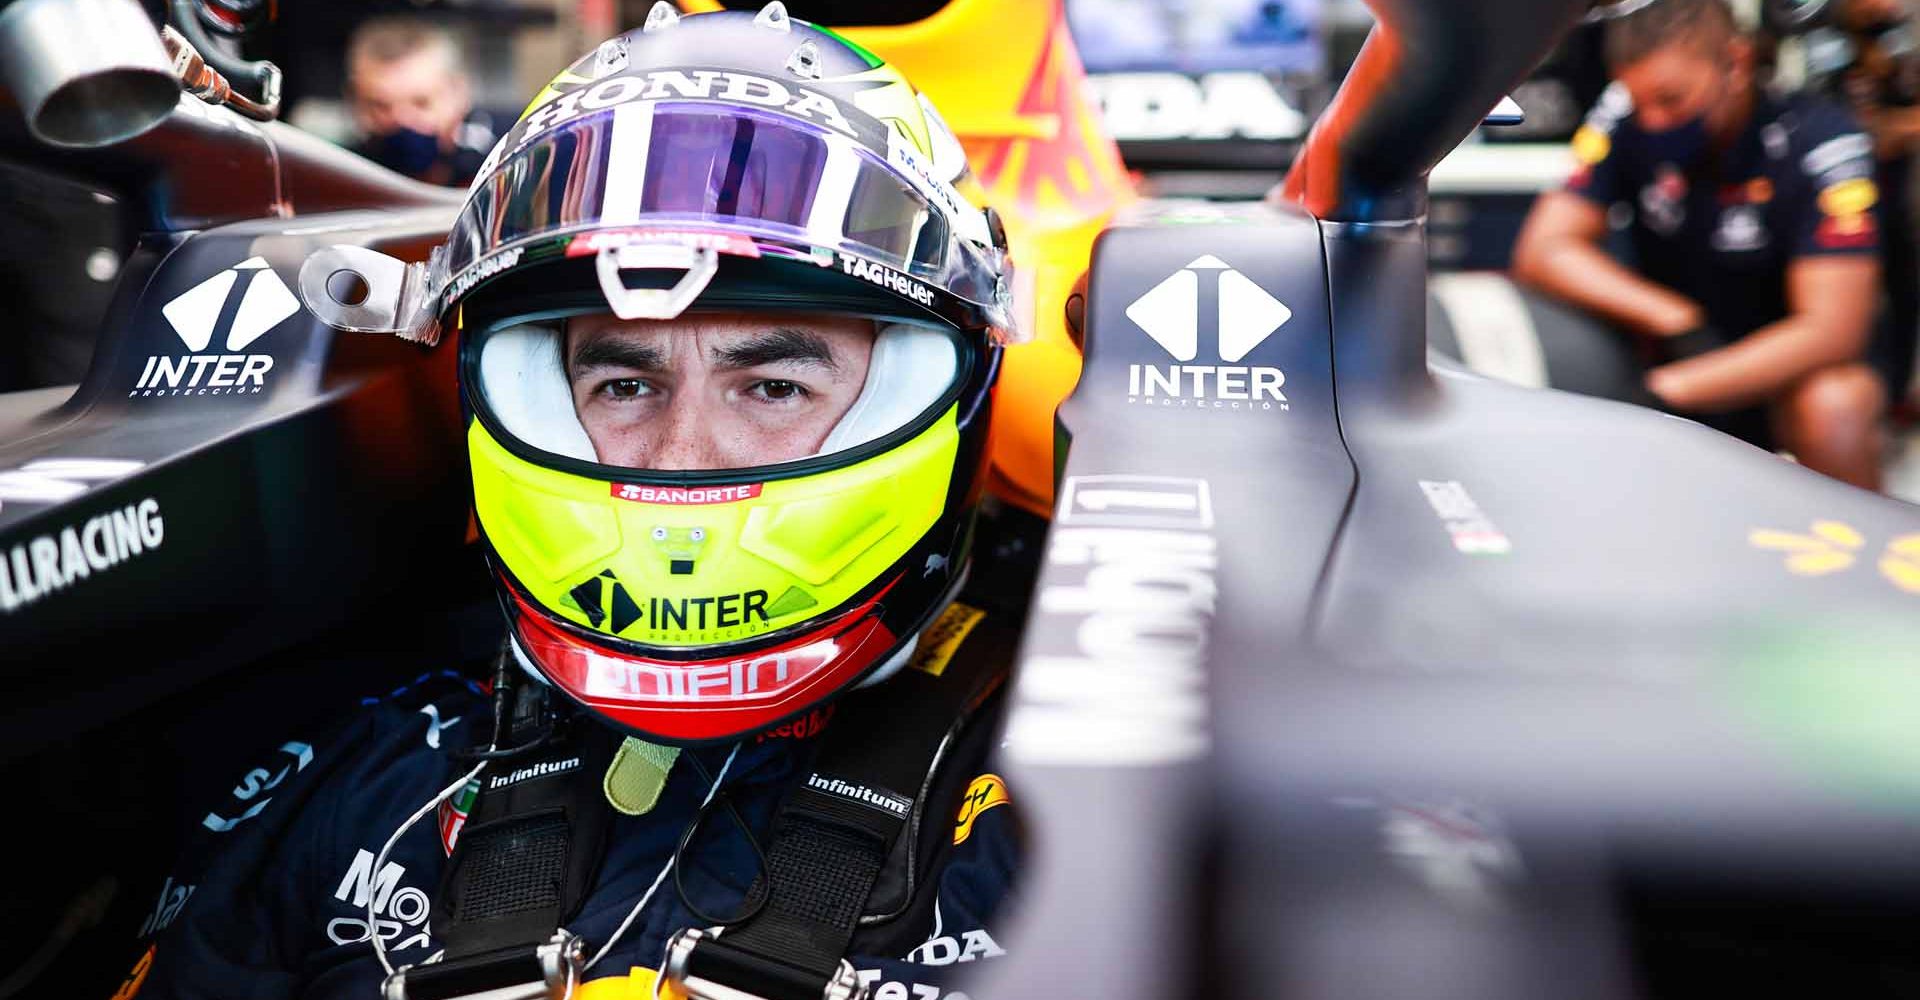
x=805, y=61
x=610, y=58
x=663, y=15
x=774, y=15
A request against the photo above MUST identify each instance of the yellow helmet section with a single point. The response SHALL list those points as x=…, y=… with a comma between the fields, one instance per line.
x=700, y=565
x=1006, y=77
x=890, y=98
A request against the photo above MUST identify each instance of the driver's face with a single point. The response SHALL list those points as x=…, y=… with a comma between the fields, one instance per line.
x=713, y=390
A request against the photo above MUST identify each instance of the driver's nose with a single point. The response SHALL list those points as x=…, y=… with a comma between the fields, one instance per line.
x=684, y=440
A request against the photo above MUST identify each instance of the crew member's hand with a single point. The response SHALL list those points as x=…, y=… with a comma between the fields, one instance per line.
x=1693, y=343
x=1664, y=381
x=1678, y=317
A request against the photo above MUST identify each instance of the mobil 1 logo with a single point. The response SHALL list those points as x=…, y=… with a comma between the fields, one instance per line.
x=1208, y=317
x=1114, y=669
x=216, y=321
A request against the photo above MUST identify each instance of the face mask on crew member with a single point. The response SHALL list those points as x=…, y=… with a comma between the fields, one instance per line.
x=1684, y=145
x=406, y=151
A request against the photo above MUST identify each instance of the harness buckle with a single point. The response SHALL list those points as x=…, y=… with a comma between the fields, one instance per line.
x=703, y=967
x=551, y=971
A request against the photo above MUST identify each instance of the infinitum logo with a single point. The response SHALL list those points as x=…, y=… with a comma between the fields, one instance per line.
x=1175, y=314
x=879, y=798
x=253, y=300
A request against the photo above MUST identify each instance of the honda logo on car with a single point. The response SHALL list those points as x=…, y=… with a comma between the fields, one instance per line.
x=1244, y=316
x=264, y=303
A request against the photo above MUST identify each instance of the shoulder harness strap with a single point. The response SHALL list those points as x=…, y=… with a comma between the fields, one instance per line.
x=860, y=806
x=523, y=863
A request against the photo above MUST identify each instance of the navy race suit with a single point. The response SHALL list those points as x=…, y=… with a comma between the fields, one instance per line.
x=272, y=899
x=1798, y=182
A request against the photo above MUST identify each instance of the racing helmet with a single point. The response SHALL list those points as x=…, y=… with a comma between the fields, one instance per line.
x=745, y=163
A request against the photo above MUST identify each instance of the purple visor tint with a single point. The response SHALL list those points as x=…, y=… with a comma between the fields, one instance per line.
x=677, y=164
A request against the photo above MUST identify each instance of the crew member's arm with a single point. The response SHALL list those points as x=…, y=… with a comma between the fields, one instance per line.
x=1895, y=130
x=1832, y=298
x=1559, y=253
x=1832, y=279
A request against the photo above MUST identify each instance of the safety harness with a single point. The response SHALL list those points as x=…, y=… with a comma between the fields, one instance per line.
x=843, y=851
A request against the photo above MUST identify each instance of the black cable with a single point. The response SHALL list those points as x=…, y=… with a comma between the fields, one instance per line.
x=503, y=687
x=754, y=902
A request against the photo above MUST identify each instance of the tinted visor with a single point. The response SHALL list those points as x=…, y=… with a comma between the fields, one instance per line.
x=726, y=168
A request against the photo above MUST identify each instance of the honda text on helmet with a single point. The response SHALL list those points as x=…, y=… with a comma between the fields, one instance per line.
x=727, y=334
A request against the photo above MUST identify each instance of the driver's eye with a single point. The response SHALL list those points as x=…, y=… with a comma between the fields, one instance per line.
x=624, y=388
x=779, y=389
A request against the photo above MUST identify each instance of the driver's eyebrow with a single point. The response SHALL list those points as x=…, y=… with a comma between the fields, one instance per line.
x=781, y=345
x=614, y=352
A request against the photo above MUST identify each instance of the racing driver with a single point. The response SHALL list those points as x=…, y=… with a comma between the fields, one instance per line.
x=727, y=333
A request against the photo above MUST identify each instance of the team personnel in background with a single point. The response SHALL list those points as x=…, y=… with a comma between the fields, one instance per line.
x=412, y=102
x=1883, y=87
x=1755, y=275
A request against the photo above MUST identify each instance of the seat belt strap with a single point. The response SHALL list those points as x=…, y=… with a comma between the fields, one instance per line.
x=522, y=866
x=834, y=835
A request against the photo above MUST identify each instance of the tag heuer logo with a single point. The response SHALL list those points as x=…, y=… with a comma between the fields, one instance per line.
x=252, y=300
x=1174, y=314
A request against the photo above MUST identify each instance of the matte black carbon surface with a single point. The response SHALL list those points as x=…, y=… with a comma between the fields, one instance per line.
x=277, y=513
x=1390, y=693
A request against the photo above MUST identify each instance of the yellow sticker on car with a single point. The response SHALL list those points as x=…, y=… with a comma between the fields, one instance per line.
x=943, y=638
x=1834, y=546
x=987, y=791
x=1901, y=563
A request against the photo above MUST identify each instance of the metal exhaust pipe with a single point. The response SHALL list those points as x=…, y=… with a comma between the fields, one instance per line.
x=85, y=73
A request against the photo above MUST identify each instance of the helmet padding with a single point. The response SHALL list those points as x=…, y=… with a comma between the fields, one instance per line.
x=909, y=369
x=527, y=390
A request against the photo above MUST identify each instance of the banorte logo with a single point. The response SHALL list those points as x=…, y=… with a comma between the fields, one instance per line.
x=1174, y=314
x=253, y=300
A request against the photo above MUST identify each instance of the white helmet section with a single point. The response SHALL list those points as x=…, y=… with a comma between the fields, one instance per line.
x=911, y=367
x=526, y=387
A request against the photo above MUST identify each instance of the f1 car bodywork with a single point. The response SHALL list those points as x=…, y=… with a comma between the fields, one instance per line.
x=1395, y=680
x=225, y=482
